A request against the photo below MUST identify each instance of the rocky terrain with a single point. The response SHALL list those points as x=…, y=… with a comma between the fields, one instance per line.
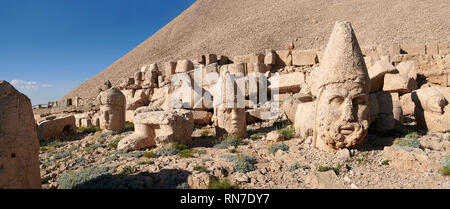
x=241, y=27
x=92, y=161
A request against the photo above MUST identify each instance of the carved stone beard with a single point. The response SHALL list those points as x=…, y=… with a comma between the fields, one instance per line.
x=333, y=137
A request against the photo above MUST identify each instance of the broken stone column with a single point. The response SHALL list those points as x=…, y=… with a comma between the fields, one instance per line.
x=19, y=145
x=112, y=110
x=341, y=88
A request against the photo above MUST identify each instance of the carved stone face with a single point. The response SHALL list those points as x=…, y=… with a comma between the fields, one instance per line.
x=112, y=110
x=342, y=117
x=230, y=121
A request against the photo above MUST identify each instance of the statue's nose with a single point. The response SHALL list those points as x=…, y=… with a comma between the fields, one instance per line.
x=348, y=111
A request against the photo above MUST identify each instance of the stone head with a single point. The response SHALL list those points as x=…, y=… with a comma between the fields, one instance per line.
x=112, y=109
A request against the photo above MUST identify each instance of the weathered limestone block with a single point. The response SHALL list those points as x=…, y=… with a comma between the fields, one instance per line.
x=202, y=117
x=407, y=104
x=270, y=58
x=258, y=68
x=341, y=85
x=303, y=119
x=398, y=83
x=290, y=105
x=138, y=78
x=408, y=69
x=304, y=57
x=390, y=114
x=210, y=59
x=170, y=68
x=175, y=126
x=86, y=122
x=287, y=83
x=438, y=76
x=377, y=72
x=55, y=127
x=284, y=58
x=413, y=160
x=324, y=180
x=19, y=145
x=184, y=66
x=112, y=110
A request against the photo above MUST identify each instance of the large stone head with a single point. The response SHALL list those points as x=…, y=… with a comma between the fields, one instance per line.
x=229, y=115
x=112, y=109
x=341, y=88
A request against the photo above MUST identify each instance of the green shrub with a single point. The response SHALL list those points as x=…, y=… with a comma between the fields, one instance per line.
x=128, y=170
x=407, y=143
x=278, y=146
x=242, y=163
x=179, y=147
x=111, y=158
x=96, y=146
x=201, y=169
x=257, y=136
x=150, y=155
x=183, y=185
x=44, y=180
x=87, y=130
x=227, y=141
x=281, y=124
x=445, y=163
x=385, y=162
x=134, y=154
x=295, y=166
x=129, y=126
x=221, y=184
x=74, y=179
x=205, y=133
x=336, y=169
x=80, y=161
x=167, y=151
x=147, y=162
x=288, y=133
x=186, y=153
x=202, y=152
x=234, y=150
x=66, y=153
x=109, y=133
x=114, y=143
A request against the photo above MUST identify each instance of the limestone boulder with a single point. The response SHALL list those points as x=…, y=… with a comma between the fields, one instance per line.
x=52, y=128
x=303, y=119
x=377, y=72
x=270, y=58
x=390, y=114
x=184, y=66
x=19, y=144
x=202, y=118
x=412, y=160
x=283, y=58
x=287, y=83
x=290, y=105
x=304, y=57
x=398, y=83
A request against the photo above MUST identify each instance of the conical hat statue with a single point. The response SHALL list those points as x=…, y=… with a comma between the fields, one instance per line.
x=342, y=60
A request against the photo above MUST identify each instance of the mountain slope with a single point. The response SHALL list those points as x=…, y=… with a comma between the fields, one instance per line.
x=235, y=27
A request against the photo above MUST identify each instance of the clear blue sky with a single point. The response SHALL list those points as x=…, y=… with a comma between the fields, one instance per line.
x=48, y=47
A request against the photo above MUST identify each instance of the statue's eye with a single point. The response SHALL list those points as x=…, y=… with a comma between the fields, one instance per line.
x=360, y=100
x=336, y=100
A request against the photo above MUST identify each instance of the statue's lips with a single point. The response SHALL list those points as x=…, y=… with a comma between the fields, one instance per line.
x=346, y=129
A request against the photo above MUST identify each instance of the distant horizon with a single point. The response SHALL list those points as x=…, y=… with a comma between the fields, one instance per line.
x=50, y=47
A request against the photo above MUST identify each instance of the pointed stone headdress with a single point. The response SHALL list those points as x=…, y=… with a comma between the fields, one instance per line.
x=342, y=60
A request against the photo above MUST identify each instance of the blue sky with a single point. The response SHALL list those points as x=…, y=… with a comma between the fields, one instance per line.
x=48, y=47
